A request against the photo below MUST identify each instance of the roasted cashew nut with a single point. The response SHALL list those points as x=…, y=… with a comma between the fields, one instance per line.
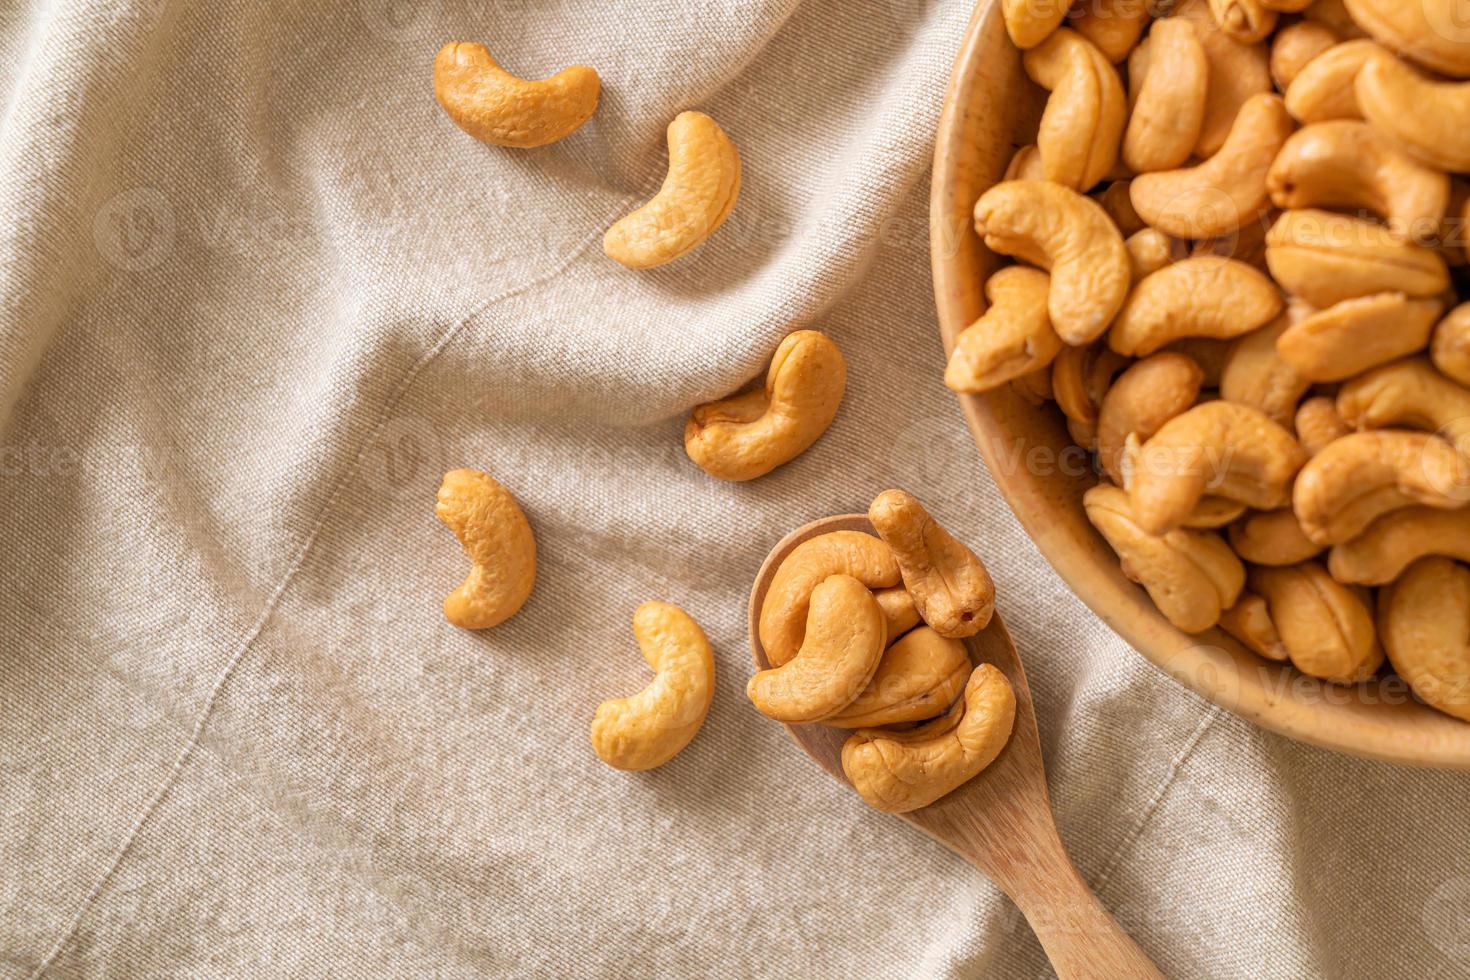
x=950, y=586
x=1013, y=338
x=697, y=195
x=843, y=644
x=1201, y=296
x=1145, y=396
x=1080, y=378
x=1168, y=99
x=1408, y=393
x=1113, y=25
x=1294, y=47
x=1256, y=375
x=1430, y=120
x=784, y=611
x=918, y=678
x=1318, y=424
x=1083, y=121
x=1246, y=21
x=1326, y=627
x=1354, y=335
x=1362, y=476
x=1192, y=576
x=899, y=612
x=1349, y=164
x=1425, y=621
x=1071, y=236
x=1029, y=22
x=1398, y=539
x=1237, y=72
x=1116, y=202
x=1272, y=537
x=498, y=539
x=1326, y=258
x=1025, y=164
x=1249, y=621
x=651, y=727
x=1450, y=346
x=493, y=105
x=1228, y=190
x=1432, y=32
x=1324, y=89
x=749, y=434
x=1231, y=451
x=1149, y=251
x=902, y=771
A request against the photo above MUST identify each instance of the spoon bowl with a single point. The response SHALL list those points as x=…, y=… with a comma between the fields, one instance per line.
x=1000, y=821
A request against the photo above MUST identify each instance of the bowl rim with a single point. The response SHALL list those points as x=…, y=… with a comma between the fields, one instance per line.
x=1213, y=665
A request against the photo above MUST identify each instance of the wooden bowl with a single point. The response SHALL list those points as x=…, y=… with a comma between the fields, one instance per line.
x=991, y=108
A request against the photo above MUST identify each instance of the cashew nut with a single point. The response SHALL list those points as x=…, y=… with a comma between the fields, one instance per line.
x=493, y=105
x=1149, y=251
x=1396, y=540
x=1249, y=621
x=919, y=677
x=1354, y=335
x=1318, y=424
x=498, y=539
x=899, y=612
x=1116, y=201
x=750, y=434
x=902, y=771
x=784, y=611
x=1430, y=120
x=1208, y=353
x=1029, y=22
x=1035, y=387
x=845, y=633
x=1025, y=164
x=1233, y=451
x=1408, y=393
x=1450, y=347
x=697, y=196
x=1294, y=46
x=1325, y=258
x=1083, y=122
x=1211, y=513
x=1349, y=164
x=1192, y=576
x=1226, y=191
x=1070, y=235
x=1202, y=296
x=1168, y=99
x=1237, y=72
x=1334, y=14
x=1257, y=376
x=1114, y=26
x=1272, y=537
x=1425, y=621
x=1362, y=476
x=1011, y=339
x=950, y=586
x=1080, y=377
x=1326, y=627
x=651, y=727
x=1324, y=88
x=1432, y=32
x=1145, y=396
x=1247, y=21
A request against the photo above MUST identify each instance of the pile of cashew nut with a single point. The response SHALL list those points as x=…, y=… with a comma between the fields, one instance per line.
x=865, y=633
x=1237, y=239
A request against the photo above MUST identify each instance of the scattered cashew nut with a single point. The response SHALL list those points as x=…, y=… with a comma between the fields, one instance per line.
x=902, y=771
x=697, y=195
x=651, y=727
x=950, y=586
x=784, y=611
x=495, y=106
x=1013, y=338
x=498, y=539
x=918, y=678
x=749, y=434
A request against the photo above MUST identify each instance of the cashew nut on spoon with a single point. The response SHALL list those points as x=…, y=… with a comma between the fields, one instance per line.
x=493, y=105
x=697, y=196
x=951, y=587
x=651, y=727
x=978, y=818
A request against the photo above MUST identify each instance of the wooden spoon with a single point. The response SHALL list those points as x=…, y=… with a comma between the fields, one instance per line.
x=1001, y=820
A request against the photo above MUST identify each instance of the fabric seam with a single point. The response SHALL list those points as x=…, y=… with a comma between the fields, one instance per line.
x=273, y=600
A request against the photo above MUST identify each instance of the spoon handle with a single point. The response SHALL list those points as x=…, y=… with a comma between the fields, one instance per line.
x=1080, y=937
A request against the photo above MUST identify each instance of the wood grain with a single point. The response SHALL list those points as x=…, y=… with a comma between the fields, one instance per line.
x=990, y=109
x=1000, y=821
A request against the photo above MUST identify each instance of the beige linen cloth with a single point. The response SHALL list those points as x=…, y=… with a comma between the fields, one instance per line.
x=257, y=293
